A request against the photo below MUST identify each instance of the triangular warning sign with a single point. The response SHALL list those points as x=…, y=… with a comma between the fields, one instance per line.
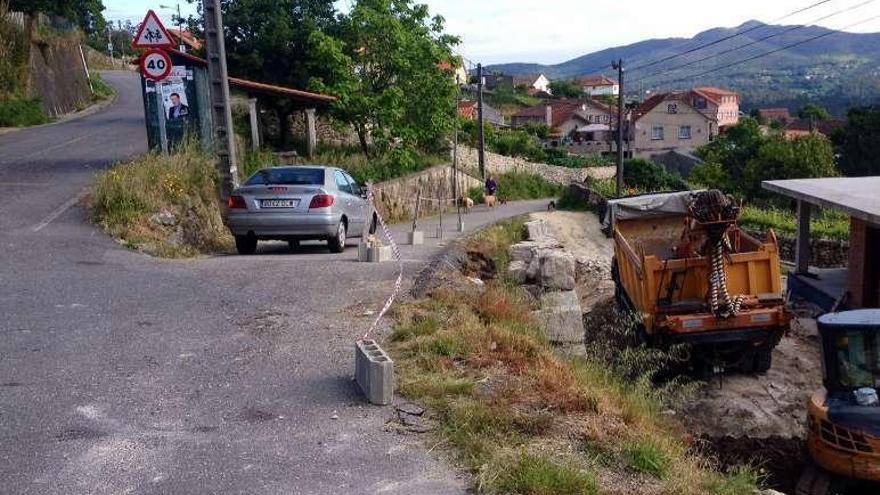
x=152, y=34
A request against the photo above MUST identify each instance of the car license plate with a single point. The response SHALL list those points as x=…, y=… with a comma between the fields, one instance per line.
x=279, y=203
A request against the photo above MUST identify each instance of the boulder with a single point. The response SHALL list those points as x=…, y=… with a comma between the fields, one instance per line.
x=560, y=317
x=516, y=272
x=556, y=270
x=537, y=229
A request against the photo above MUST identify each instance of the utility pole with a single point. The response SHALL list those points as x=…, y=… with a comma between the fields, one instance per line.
x=455, y=193
x=620, y=127
x=481, y=142
x=110, y=44
x=218, y=79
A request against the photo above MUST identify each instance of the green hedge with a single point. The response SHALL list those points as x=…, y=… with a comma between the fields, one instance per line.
x=20, y=112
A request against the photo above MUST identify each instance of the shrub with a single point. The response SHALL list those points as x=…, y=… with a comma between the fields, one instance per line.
x=649, y=176
x=184, y=184
x=21, y=112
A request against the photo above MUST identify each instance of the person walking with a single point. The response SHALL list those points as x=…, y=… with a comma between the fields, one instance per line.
x=490, y=192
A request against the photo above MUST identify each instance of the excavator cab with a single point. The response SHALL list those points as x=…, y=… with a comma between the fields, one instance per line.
x=844, y=416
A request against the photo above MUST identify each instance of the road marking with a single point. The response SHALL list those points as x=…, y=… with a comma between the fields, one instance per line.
x=58, y=212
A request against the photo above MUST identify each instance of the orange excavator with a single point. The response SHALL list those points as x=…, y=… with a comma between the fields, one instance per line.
x=844, y=415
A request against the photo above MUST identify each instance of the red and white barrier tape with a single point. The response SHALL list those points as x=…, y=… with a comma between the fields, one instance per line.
x=396, y=251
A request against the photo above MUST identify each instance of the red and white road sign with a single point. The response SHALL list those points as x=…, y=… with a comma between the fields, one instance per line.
x=155, y=64
x=152, y=34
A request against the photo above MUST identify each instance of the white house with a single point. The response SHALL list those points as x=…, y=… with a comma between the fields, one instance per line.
x=533, y=83
x=599, y=86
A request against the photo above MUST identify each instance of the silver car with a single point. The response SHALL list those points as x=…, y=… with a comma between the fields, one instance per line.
x=309, y=202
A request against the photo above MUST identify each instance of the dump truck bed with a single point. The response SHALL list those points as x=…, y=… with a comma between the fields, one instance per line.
x=659, y=275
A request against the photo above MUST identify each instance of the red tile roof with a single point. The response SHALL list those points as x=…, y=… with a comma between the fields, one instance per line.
x=600, y=80
x=187, y=37
x=467, y=109
x=714, y=94
x=657, y=99
x=804, y=126
x=562, y=110
x=775, y=113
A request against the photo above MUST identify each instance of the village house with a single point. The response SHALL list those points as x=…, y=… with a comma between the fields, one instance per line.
x=533, y=83
x=467, y=109
x=669, y=121
x=722, y=104
x=458, y=73
x=599, y=86
x=805, y=127
x=781, y=115
x=584, y=126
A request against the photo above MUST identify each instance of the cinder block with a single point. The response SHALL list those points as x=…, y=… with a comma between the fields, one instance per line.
x=415, y=238
x=374, y=372
x=374, y=254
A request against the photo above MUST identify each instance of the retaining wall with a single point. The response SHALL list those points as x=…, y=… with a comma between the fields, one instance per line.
x=396, y=198
x=500, y=164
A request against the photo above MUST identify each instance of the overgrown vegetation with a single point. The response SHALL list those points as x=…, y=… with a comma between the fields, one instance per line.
x=514, y=186
x=163, y=204
x=827, y=224
x=21, y=112
x=523, y=419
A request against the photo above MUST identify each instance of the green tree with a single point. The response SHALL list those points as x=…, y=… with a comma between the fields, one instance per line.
x=859, y=142
x=565, y=89
x=271, y=41
x=87, y=14
x=811, y=111
x=780, y=158
x=733, y=149
x=390, y=88
x=712, y=175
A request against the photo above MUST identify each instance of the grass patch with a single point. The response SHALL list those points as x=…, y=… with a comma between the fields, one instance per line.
x=494, y=241
x=21, y=112
x=514, y=186
x=100, y=89
x=646, y=457
x=824, y=224
x=181, y=187
x=538, y=475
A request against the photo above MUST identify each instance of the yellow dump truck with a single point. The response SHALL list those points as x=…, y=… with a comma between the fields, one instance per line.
x=682, y=263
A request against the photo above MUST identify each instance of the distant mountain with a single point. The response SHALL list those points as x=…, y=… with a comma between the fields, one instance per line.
x=838, y=70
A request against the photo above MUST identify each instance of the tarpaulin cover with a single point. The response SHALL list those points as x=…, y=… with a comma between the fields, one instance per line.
x=648, y=205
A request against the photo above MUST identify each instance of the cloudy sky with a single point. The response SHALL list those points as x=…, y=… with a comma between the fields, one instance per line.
x=552, y=31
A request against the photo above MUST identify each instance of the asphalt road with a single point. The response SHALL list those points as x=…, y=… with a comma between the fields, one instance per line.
x=121, y=373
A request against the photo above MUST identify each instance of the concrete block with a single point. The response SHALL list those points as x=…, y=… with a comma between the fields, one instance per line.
x=557, y=270
x=537, y=229
x=415, y=238
x=374, y=372
x=374, y=254
x=561, y=317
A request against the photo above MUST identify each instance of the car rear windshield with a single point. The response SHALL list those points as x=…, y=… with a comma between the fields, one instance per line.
x=288, y=176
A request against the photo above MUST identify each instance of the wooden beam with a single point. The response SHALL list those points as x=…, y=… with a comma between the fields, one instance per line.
x=802, y=248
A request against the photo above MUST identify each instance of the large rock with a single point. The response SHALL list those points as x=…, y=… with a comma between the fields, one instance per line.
x=537, y=229
x=516, y=272
x=556, y=269
x=561, y=318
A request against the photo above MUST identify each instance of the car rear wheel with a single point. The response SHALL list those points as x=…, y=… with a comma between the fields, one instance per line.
x=246, y=244
x=337, y=242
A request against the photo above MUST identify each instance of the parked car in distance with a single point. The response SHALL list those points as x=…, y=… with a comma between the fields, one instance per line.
x=295, y=203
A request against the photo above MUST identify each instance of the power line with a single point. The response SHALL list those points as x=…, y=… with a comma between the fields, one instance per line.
x=765, y=38
x=771, y=52
x=725, y=38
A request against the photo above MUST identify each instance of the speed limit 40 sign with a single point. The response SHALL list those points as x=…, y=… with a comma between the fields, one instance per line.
x=155, y=64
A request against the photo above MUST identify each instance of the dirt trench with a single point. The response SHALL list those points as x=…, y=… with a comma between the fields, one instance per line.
x=735, y=419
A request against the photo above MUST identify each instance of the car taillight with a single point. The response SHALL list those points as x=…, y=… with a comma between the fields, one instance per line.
x=322, y=201
x=237, y=202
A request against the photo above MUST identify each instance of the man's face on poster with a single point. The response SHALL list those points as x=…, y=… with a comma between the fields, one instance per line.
x=175, y=100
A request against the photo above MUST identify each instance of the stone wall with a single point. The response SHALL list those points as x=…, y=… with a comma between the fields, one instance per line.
x=396, y=198
x=500, y=164
x=824, y=253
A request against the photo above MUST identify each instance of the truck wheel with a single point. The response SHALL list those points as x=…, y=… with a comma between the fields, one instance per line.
x=763, y=359
x=246, y=244
x=813, y=481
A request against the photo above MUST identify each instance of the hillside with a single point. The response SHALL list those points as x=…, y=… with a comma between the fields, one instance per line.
x=839, y=69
